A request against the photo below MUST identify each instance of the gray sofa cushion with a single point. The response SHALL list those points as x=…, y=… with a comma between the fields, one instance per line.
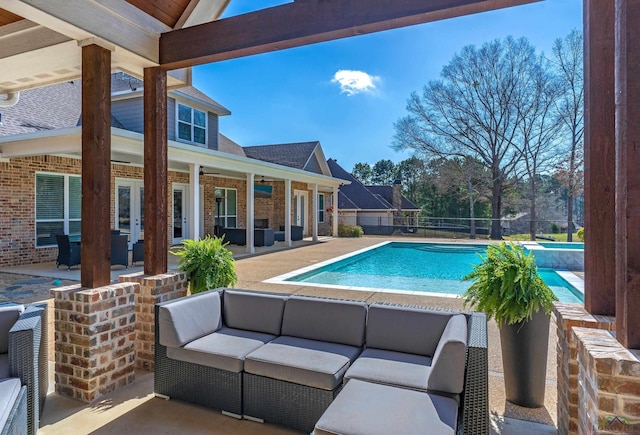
x=391, y=368
x=225, y=349
x=447, y=367
x=312, y=363
x=253, y=311
x=9, y=389
x=325, y=320
x=404, y=329
x=189, y=318
x=8, y=317
x=372, y=409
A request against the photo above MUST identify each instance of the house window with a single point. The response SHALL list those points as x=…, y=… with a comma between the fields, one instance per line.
x=58, y=207
x=192, y=125
x=226, y=210
x=321, y=208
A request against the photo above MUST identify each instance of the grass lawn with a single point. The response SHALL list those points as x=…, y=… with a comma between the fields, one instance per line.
x=558, y=237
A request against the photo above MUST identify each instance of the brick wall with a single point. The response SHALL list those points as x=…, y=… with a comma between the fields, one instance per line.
x=609, y=383
x=568, y=317
x=94, y=339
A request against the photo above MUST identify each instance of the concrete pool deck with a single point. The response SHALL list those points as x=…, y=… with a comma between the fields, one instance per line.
x=134, y=409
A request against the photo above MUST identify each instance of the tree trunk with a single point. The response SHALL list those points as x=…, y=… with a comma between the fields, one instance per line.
x=570, y=215
x=472, y=214
x=496, y=208
x=572, y=171
x=532, y=210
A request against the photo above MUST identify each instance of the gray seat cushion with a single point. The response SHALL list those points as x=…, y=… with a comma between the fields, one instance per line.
x=312, y=363
x=325, y=320
x=225, y=349
x=391, y=368
x=449, y=360
x=9, y=315
x=186, y=319
x=9, y=389
x=251, y=311
x=396, y=329
x=363, y=408
x=4, y=365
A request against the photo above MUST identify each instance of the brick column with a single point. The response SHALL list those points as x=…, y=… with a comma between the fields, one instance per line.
x=151, y=290
x=94, y=339
x=569, y=316
x=609, y=381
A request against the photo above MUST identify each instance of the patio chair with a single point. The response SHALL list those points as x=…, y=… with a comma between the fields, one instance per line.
x=120, y=250
x=68, y=253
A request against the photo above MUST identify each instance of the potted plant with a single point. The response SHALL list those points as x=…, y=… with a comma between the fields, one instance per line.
x=207, y=262
x=507, y=286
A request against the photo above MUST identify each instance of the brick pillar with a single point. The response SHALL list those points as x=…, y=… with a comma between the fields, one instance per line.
x=94, y=339
x=569, y=316
x=609, y=380
x=152, y=289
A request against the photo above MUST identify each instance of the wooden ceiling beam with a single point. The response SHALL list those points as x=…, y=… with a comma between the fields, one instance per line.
x=306, y=22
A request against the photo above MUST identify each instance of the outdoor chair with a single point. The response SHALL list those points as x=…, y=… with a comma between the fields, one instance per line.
x=68, y=253
x=23, y=367
x=120, y=250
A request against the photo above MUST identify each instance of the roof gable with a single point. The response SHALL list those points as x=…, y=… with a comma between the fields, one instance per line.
x=294, y=155
x=386, y=192
x=356, y=192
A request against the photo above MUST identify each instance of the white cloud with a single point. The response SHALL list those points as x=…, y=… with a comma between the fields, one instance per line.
x=355, y=82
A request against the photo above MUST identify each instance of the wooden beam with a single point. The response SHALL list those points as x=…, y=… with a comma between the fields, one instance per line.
x=95, y=266
x=155, y=172
x=599, y=157
x=627, y=64
x=306, y=22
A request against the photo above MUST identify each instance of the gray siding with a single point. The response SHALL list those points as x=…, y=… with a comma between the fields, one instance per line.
x=212, y=131
x=313, y=165
x=130, y=114
x=171, y=119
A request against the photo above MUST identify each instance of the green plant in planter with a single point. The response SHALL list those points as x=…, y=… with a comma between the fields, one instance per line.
x=507, y=286
x=208, y=263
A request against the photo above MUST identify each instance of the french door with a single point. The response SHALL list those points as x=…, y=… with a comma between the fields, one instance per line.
x=300, y=203
x=180, y=222
x=129, y=209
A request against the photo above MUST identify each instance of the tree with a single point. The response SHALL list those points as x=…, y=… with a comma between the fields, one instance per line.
x=539, y=126
x=384, y=173
x=411, y=172
x=471, y=111
x=568, y=61
x=363, y=172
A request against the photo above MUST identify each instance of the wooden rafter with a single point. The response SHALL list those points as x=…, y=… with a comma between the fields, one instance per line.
x=306, y=22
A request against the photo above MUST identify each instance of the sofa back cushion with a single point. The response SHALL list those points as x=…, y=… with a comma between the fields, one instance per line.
x=8, y=317
x=325, y=320
x=250, y=311
x=403, y=329
x=449, y=359
x=188, y=318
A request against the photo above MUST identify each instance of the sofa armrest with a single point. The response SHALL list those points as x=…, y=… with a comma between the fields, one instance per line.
x=474, y=415
x=447, y=366
x=27, y=359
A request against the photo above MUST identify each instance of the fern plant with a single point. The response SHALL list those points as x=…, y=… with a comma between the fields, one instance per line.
x=507, y=286
x=208, y=263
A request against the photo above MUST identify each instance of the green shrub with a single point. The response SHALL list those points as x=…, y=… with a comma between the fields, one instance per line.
x=580, y=234
x=555, y=229
x=507, y=286
x=208, y=263
x=350, y=230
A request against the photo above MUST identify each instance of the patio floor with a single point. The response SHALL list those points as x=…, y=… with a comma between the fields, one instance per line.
x=133, y=409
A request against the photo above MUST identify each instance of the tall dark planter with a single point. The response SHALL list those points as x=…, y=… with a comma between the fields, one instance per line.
x=524, y=357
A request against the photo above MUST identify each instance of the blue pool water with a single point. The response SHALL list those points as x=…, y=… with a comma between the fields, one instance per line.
x=427, y=267
x=560, y=245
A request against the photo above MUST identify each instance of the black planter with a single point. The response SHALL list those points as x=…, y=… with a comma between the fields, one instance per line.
x=524, y=357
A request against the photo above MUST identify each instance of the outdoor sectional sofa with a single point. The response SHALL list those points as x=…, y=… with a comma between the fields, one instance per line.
x=283, y=359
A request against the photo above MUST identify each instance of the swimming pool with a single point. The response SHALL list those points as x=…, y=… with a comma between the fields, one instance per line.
x=417, y=267
x=562, y=245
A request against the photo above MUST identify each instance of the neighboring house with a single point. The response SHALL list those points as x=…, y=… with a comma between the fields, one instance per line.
x=210, y=176
x=377, y=209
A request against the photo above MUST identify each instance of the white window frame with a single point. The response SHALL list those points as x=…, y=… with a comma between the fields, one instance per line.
x=225, y=216
x=321, y=207
x=192, y=125
x=66, y=199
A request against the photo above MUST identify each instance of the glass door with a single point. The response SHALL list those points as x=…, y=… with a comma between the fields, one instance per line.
x=180, y=213
x=129, y=209
x=300, y=209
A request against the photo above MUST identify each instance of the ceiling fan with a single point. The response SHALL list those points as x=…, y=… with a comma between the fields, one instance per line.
x=208, y=173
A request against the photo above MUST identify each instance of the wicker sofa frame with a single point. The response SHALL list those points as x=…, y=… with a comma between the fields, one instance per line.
x=299, y=406
x=28, y=362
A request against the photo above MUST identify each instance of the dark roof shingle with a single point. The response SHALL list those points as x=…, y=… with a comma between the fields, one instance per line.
x=293, y=155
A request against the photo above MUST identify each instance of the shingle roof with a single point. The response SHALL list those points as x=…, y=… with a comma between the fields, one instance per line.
x=356, y=192
x=226, y=145
x=198, y=95
x=294, y=155
x=386, y=192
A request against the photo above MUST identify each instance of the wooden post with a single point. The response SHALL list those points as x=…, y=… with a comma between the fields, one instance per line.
x=599, y=157
x=627, y=64
x=155, y=171
x=95, y=266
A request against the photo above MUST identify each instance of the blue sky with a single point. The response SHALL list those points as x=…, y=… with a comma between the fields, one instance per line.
x=298, y=95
